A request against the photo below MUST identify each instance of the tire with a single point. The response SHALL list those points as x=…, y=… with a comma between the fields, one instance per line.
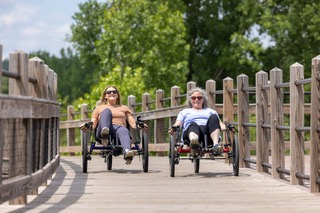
x=196, y=165
x=235, y=156
x=172, y=156
x=85, y=138
x=145, y=155
x=109, y=161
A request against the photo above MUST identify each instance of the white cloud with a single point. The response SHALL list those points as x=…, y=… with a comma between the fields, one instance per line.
x=32, y=25
x=20, y=14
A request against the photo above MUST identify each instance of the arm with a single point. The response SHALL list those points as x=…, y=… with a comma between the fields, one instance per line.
x=94, y=121
x=131, y=121
x=223, y=126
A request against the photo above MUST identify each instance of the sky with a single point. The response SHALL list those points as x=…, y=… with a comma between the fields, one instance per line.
x=33, y=25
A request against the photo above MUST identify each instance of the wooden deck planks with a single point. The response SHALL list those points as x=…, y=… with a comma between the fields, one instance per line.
x=129, y=189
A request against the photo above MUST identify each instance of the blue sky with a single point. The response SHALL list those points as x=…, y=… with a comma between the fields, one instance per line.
x=32, y=25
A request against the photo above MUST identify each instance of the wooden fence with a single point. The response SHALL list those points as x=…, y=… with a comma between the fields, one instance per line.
x=273, y=118
x=29, y=127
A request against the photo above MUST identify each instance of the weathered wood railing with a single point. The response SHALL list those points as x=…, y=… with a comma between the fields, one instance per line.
x=279, y=117
x=29, y=127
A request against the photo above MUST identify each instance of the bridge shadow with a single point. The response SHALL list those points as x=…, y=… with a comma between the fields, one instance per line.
x=78, y=183
x=213, y=174
x=125, y=171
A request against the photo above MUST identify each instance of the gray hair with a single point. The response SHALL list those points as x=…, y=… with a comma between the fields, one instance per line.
x=203, y=94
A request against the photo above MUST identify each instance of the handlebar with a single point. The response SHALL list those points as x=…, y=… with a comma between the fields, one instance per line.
x=174, y=128
x=139, y=122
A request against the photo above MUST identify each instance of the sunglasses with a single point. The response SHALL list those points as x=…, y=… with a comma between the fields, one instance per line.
x=111, y=92
x=196, y=97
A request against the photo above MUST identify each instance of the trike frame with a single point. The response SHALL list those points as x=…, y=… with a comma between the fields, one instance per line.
x=90, y=143
x=177, y=148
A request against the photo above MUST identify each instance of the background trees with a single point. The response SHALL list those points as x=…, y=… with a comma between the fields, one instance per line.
x=140, y=45
x=145, y=45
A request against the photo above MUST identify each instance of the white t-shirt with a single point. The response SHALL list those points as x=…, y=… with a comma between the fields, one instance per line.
x=186, y=116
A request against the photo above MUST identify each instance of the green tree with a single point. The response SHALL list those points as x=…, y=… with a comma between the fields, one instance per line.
x=146, y=35
x=86, y=32
x=293, y=28
x=134, y=37
x=219, y=40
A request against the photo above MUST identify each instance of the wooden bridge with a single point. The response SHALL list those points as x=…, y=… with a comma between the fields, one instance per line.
x=273, y=117
x=129, y=189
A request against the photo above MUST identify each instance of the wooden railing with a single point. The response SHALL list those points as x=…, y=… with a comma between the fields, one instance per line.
x=29, y=127
x=273, y=117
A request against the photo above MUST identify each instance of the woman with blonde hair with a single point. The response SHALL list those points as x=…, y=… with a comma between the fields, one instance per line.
x=110, y=117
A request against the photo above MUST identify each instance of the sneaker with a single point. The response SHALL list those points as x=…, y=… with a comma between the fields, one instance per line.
x=194, y=143
x=105, y=136
x=129, y=157
x=217, y=150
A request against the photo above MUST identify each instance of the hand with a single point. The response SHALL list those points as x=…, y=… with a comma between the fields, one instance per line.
x=173, y=129
x=86, y=126
x=143, y=126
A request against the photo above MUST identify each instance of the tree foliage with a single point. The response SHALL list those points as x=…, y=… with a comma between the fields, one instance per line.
x=146, y=35
x=140, y=41
x=144, y=45
x=292, y=26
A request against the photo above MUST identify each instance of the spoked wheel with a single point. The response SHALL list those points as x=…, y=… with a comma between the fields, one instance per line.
x=85, y=138
x=145, y=155
x=109, y=161
x=196, y=165
x=235, y=156
x=172, y=156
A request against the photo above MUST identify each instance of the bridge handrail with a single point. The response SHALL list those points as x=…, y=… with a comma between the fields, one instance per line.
x=29, y=127
x=268, y=108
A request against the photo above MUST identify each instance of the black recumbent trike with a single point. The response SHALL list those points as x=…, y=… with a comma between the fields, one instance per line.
x=114, y=147
x=178, y=148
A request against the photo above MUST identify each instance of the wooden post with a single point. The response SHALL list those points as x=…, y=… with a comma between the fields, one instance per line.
x=296, y=120
x=276, y=111
x=145, y=102
x=315, y=126
x=84, y=112
x=0, y=75
x=228, y=111
x=159, y=134
x=19, y=87
x=50, y=84
x=131, y=103
x=243, y=117
x=210, y=89
x=2, y=135
x=84, y=116
x=175, y=101
x=19, y=64
x=36, y=67
x=191, y=85
x=70, y=131
x=55, y=86
x=262, y=115
x=45, y=93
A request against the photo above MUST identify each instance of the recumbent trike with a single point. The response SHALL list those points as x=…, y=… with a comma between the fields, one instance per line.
x=114, y=148
x=178, y=148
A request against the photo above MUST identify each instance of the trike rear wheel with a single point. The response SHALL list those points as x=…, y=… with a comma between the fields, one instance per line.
x=85, y=138
x=109, y=161
x=172, y=156
x=145, y=155
x=235, y=156
x=196, y=164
